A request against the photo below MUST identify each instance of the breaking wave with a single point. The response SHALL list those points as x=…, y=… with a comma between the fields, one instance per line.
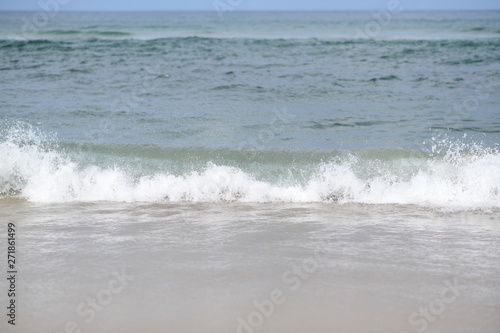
x=454, y=175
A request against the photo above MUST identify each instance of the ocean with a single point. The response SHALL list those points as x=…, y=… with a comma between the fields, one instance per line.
x=232, y=171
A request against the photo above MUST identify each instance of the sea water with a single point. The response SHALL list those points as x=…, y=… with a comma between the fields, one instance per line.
x=252, y=171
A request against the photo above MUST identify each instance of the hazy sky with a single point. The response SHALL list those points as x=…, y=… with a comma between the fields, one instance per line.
x=250, y=4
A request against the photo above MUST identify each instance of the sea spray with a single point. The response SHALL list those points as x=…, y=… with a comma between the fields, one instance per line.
x=451, y=175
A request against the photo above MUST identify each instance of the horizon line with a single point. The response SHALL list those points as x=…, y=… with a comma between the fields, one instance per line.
x=248, y=10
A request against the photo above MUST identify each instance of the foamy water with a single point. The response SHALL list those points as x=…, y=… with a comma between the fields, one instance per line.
x=455, y=176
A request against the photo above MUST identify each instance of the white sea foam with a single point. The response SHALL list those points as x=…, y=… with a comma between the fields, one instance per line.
x=459, y=177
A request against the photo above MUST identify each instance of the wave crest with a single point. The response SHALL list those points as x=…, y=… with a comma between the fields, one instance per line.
x=452, y=175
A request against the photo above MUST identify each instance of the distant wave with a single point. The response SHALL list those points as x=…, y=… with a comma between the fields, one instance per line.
x=63, y=32
x=451, y=175
x=333, y=123
x=418, y=45
x=58, y=35
x=346, y=36
x=492, y=130
x=86, y=33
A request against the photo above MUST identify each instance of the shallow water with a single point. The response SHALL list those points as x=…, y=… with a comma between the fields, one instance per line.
x=353, y=268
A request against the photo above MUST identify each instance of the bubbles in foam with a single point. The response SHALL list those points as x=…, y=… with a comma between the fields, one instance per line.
x=454, y=175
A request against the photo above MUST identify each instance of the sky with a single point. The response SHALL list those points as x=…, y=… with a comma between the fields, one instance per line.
x=248, y=4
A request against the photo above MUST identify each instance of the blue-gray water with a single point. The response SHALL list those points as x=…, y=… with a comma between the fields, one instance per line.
x=209, y=155
x=180, y=94
x=188, y=79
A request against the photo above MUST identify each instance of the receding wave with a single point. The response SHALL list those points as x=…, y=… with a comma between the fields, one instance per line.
x=450, y=175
